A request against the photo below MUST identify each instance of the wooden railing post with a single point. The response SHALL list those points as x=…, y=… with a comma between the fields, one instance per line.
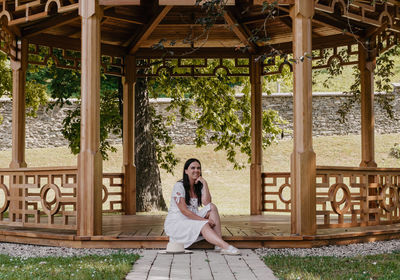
x=129, y=168
x=19, y=64
x=367, y=63
x=303, y=166
x=256, y=136
x=90, y=161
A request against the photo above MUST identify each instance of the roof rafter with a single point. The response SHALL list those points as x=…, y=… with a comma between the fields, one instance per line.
x=134, y=42
x=239, y=30
x=50, y=23
x=126, y=18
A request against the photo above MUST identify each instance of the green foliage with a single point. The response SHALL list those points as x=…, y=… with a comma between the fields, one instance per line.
x=114, y=266
x=213, y=104
x=395, y=150
x=385, y=266
x=384, y=73
x=110, y=122
x=35, y=93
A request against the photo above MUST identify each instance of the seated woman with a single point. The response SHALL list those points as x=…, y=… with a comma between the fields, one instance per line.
x=185, y=221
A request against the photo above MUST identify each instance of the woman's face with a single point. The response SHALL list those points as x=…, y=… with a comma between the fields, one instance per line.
x=193, y=171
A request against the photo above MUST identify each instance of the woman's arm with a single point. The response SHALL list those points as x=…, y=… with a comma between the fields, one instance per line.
x=185, y=211
x=205, y=194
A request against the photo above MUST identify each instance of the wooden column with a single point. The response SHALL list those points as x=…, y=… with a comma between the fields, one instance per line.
x=90, y=161
x=367, y=63
x=128, y=141
x=19, y=63
x=303, y=167
x=256, y=137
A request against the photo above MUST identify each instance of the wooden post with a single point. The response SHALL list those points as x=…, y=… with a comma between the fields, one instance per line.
x=18, y=67
x=90, y=161
x=129, y=168
x=19, y=64
x=256, y=137
x=366, y=64
x=303, y=166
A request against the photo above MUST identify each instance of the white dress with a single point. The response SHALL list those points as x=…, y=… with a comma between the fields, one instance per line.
x=177, y=226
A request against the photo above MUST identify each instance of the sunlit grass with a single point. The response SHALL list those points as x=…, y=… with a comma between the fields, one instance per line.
x=385, y=266
x=110, y=267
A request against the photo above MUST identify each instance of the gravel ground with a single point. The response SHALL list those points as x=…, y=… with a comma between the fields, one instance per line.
x=360, y=249
x=372, y=248
x=28, y=251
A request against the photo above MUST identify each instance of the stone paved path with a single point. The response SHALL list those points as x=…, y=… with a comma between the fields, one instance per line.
x=200, y=265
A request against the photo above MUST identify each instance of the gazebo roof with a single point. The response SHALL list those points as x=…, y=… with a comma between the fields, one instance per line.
x=129, y=26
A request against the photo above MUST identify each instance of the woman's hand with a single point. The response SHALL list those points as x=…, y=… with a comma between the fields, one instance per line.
x=201, y=180
x=211, y=223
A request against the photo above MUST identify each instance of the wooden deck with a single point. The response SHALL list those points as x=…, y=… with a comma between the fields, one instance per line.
x=146, y=231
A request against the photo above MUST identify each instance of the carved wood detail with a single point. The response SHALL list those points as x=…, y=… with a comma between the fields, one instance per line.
x=346, y=197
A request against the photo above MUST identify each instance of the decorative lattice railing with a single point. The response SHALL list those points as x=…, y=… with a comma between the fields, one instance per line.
x=47, y=197
x=345, y=196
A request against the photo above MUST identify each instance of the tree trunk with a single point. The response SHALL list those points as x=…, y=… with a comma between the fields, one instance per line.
x=148, y=182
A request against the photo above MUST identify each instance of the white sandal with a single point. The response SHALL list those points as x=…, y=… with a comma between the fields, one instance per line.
x=230, y=251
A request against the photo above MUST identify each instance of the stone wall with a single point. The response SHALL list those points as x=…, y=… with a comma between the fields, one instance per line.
x=45, y=130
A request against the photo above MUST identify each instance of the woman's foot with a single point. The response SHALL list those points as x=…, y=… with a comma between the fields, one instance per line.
x=230, y=251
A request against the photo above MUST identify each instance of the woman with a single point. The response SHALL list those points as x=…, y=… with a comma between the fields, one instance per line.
x=185, y=222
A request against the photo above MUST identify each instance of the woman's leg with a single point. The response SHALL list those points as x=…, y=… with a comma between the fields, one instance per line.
x=211, y=236
x=214, y=215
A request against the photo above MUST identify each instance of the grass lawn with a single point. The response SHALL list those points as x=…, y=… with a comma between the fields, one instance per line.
x=110, y=267
x=230, y=187
x=385, y=266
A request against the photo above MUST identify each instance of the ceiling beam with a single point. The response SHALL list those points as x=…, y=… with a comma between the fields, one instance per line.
x=50, y=23
x=63, y=42
x=329, y=21
x=120, y=17
x=189, y=2
x=239, y=30
x=119, y=2
x=147, y=30
x=278, y=2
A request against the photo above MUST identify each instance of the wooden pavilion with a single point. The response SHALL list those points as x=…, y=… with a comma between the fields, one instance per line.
x=327, y=205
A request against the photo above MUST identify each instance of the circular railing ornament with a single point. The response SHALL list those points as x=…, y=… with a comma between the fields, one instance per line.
x=281, y=188
x=392, y=196
x=346, y=199
x=6, y=203
x=105, y=194
x=50, y=207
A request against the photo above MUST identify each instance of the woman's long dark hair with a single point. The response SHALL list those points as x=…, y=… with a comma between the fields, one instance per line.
x=186, y=183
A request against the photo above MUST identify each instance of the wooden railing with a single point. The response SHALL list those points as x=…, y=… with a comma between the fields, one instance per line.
x=47, y=197
x=346, y=196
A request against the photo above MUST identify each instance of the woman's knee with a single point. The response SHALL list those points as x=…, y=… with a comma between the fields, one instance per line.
x=213, y=207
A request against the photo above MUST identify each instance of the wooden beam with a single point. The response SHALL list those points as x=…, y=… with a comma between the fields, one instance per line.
x=128, y=140
x=74, y=44
x=148, y=29
x=279, y=2
x=125, y=18
x=367, y=64
x=188, y=53
x=90, y=169
x=50, y=23
x=18, y=69
x=335, y=24
x=256, y=137
x=119, y=2
x=239, y=30
x=188, y=2
x=303, y=162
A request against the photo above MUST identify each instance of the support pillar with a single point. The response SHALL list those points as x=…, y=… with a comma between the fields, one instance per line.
x=90, y=171
x=128, y=132
x=367, y=64
x=256, y=137
x=19, y=64
x=303, y=166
